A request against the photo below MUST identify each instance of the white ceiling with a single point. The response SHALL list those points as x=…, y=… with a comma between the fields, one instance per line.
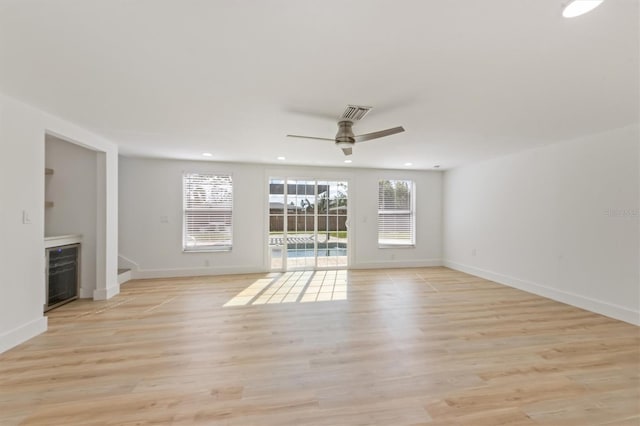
x=468, y=79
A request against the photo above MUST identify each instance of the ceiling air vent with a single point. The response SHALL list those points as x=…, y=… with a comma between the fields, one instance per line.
x=355, y=112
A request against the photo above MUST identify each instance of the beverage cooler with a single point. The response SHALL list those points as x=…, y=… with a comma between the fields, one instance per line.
x=63, y=275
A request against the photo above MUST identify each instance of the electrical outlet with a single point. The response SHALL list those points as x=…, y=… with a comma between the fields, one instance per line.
x=207, y=263
x=164, y=219
x=474, y=252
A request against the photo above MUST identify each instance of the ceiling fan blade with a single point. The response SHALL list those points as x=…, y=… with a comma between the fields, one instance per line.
x=310, y=137
x=379, y=134
x=347, y=151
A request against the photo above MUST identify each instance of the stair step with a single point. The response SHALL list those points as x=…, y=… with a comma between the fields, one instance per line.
x=124, y=275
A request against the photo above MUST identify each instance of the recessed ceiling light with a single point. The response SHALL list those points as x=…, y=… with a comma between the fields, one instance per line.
x=579, y=7
x=207, y=154
x=282, y=158
x=408, y=164
x=348, y=161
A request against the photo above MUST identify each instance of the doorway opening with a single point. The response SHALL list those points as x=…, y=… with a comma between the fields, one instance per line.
x=308, y=224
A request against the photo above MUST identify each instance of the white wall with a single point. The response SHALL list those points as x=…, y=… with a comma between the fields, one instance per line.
x=151, y=189
x=428, y=250
x=560, y=221
x=22, y=134
x=22, y=248
x=72, y=189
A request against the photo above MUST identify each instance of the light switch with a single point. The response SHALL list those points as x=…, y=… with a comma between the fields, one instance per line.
x=26, y=219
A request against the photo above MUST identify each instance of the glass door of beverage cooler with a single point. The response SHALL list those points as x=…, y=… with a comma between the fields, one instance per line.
x=63, y=275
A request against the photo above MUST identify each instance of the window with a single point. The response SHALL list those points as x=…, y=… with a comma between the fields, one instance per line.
x=208, y=205
x=396, y=216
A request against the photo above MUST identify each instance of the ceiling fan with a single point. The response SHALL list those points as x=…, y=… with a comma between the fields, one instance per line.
x=345, y=138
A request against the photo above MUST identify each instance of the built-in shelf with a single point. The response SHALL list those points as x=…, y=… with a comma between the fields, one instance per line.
x=49, y=172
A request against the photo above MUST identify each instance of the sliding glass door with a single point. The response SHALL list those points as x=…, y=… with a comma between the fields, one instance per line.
x=308, y=224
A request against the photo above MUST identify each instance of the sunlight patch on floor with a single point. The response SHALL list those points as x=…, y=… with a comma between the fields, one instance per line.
x=285, y=289
x=325, y=286
x=293, y=287
x=249, y=293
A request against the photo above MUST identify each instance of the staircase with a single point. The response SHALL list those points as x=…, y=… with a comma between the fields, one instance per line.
x=124, y=275
x=126, y=268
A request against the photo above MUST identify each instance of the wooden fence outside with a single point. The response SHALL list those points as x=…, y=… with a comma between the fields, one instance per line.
x=305, y=223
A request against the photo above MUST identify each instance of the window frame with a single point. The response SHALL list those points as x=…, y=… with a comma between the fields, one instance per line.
x=411, y=212
x=211, y=247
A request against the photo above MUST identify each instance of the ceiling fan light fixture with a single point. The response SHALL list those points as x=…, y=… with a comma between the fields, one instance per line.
x=579, y=7
x=342, y=144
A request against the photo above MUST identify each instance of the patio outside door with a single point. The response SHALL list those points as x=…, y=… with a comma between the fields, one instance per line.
x=308, y=224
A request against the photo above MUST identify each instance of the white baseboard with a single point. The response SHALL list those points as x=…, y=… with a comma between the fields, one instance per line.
x=607, y=309
x=230, y=270
x=22, y=333
x=389, y=264
x=195, y=272
x=106, y=293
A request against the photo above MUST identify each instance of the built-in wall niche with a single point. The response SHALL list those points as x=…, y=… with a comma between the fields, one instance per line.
x=71, y=188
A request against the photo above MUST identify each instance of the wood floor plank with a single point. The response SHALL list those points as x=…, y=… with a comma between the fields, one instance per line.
x=415, y=346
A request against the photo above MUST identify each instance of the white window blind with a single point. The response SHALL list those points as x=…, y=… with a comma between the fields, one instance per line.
x=396, y=218
x=208, y=206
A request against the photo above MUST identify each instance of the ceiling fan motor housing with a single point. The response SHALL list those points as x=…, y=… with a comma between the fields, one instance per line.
x=345, y=136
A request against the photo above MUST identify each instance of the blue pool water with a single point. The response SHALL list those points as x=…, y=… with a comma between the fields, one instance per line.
x=321, y=252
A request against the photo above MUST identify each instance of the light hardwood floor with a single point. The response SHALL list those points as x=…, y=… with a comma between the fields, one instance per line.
x=427, y=346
